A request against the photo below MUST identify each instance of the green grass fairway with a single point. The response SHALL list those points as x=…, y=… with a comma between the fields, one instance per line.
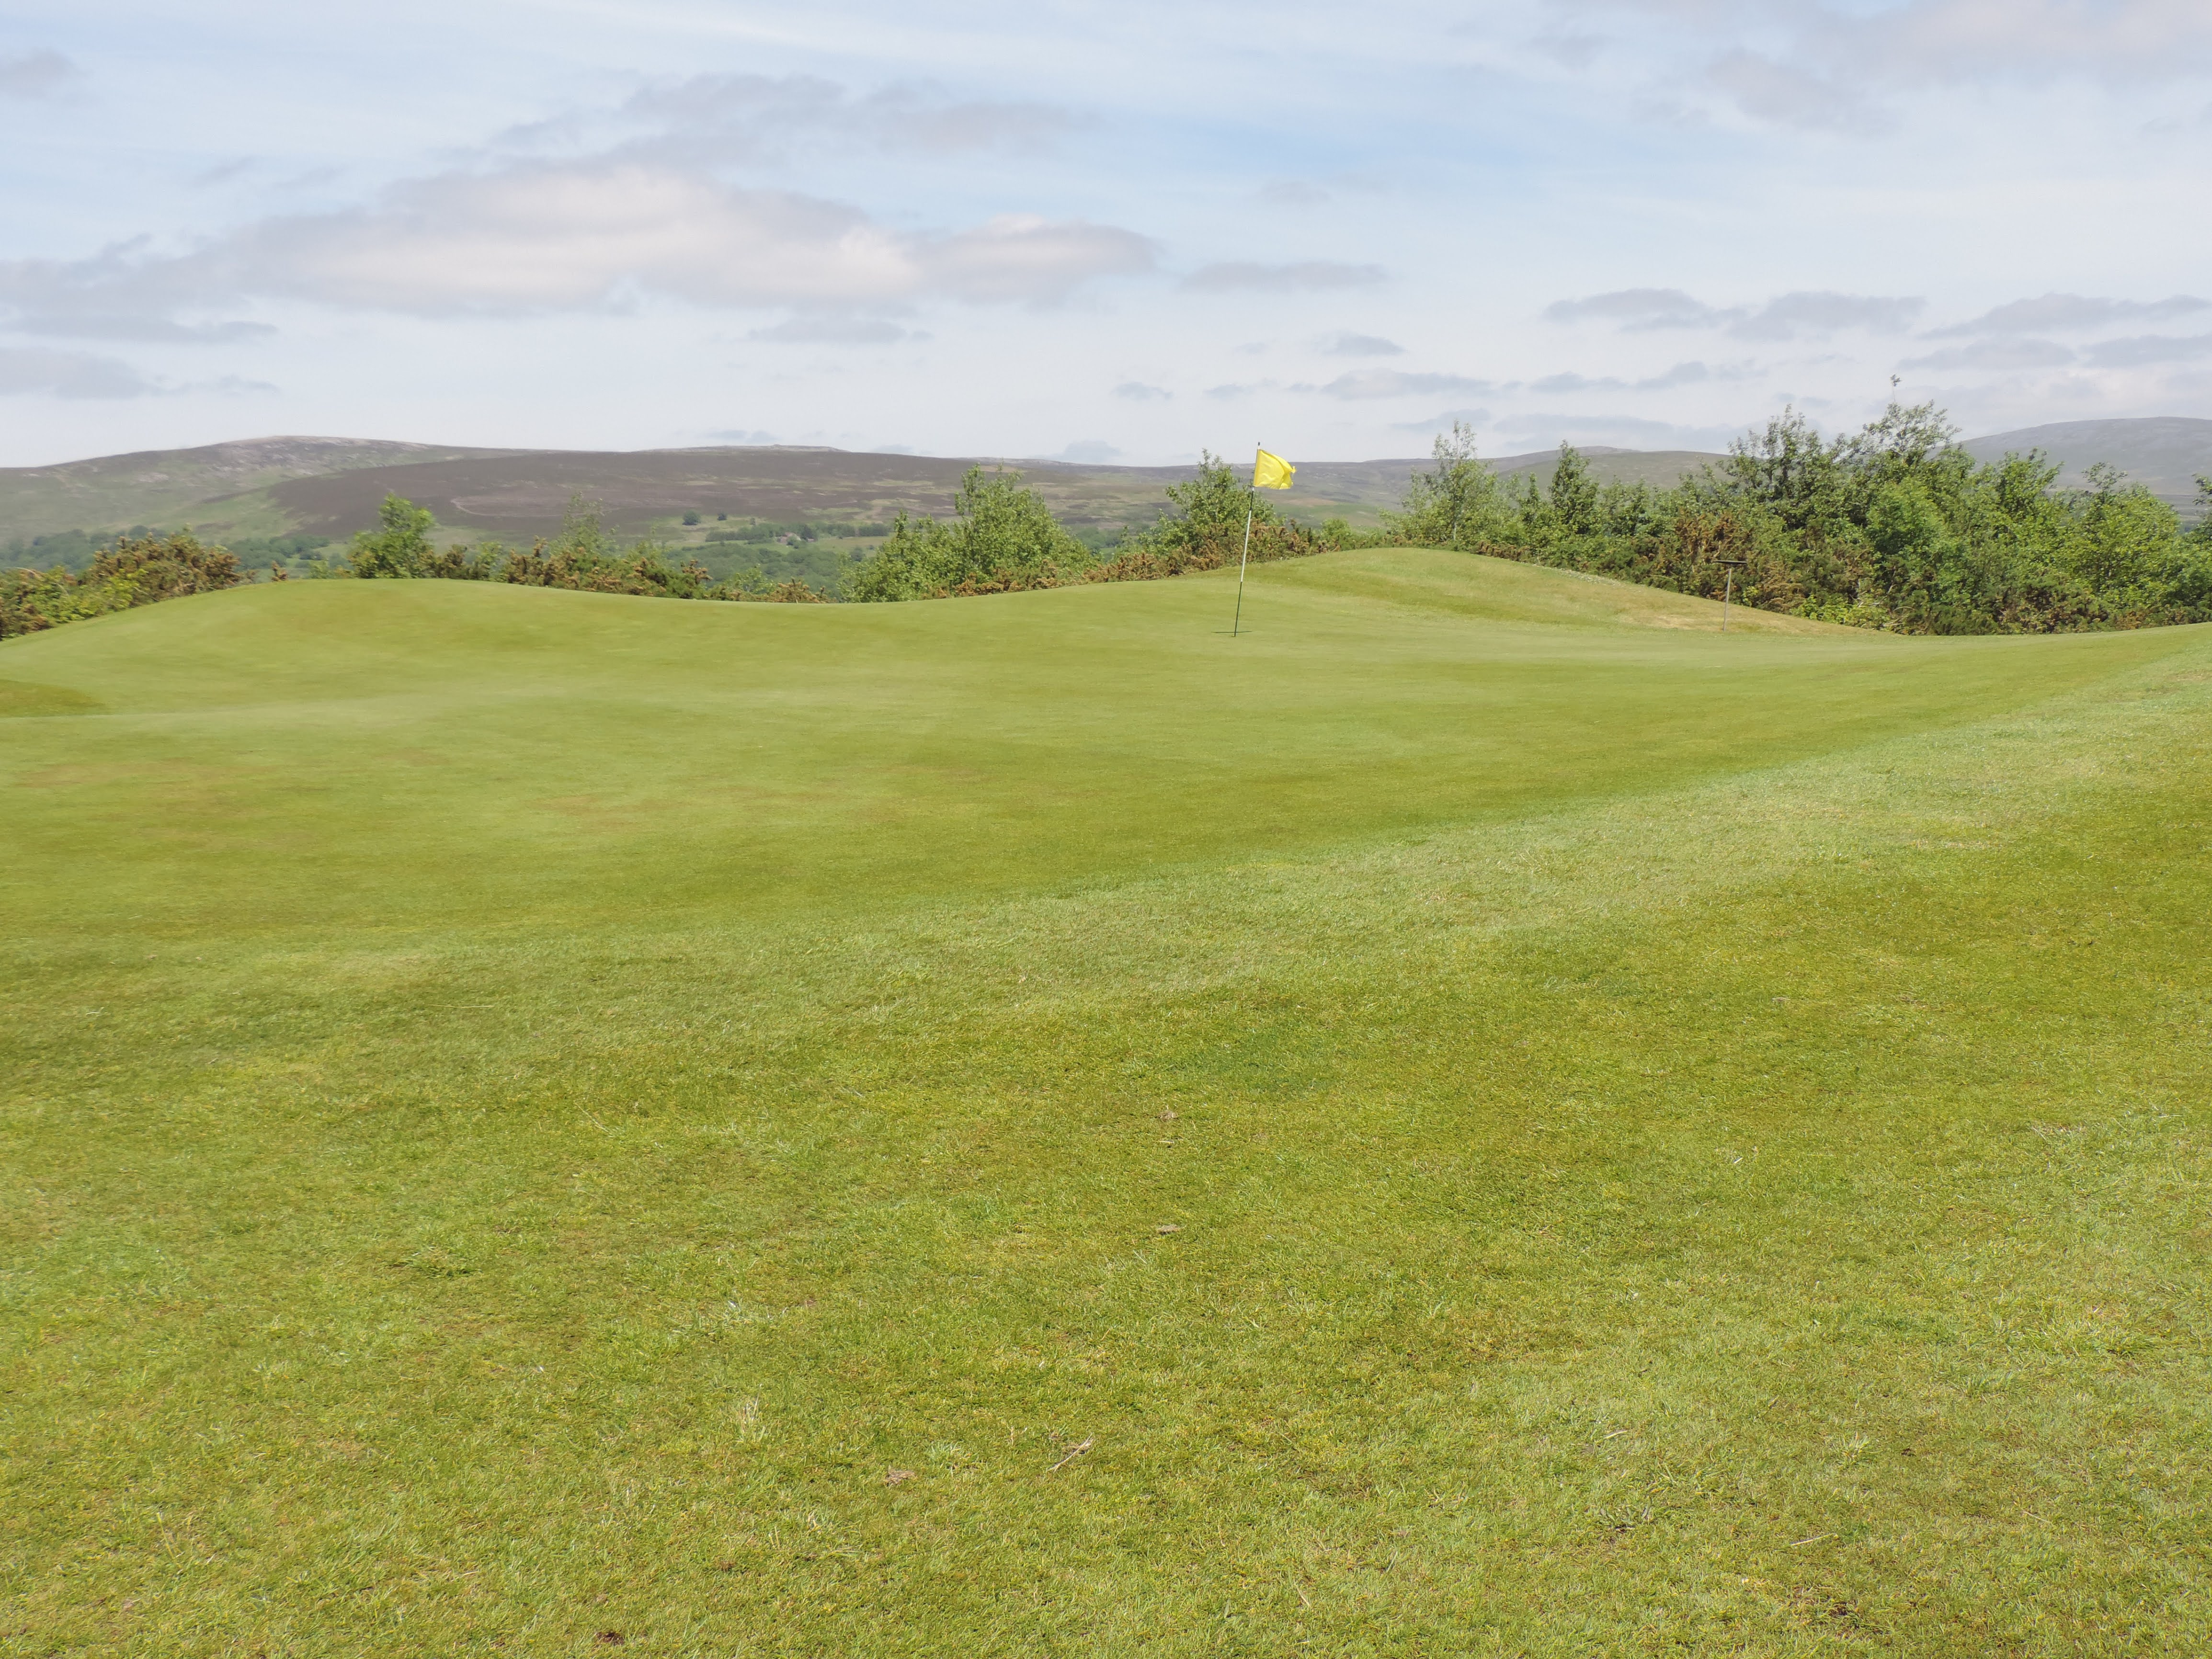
x=1481, y=1116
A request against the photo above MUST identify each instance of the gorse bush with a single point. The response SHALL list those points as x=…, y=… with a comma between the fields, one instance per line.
x=1893, y=526
x=136, y=570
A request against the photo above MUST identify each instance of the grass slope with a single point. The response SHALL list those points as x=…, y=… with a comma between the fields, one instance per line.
x=1483, y=1116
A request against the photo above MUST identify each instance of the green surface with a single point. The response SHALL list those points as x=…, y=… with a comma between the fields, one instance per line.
x=524, y=1110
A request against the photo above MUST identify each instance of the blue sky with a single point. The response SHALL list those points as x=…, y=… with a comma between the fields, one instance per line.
x=1100, y=231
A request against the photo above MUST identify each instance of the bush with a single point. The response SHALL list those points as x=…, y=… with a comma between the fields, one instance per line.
x=137, y=570
x=400, y=544
x=1893, y=526
x=1001, y=538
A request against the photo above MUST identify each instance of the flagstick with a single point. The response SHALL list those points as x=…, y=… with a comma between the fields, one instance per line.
x=1241, y=564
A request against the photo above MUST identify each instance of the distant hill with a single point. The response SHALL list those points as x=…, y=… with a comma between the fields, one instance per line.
x=331, y=486
x=218, y=485
x=2164, y=452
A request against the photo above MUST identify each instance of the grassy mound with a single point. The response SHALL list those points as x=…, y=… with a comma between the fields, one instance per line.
x=1483, y=1114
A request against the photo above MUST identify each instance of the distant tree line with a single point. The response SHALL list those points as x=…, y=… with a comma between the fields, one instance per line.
x=1894, y=526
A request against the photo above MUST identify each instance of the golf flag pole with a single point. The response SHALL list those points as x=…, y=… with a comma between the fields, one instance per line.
x=1268, y=473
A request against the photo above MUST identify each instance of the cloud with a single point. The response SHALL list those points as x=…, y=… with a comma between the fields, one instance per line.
x=2062, y=312
x=31, y=369
x=1680, y=375
x=1310, y=275
x=581, y=236
x=1442, y=421
x=2146, y=349
x=1783, y=318
x=1365, y=383
x=1095, y=452
x=33, y=75
x=1569, y=50
x=714, y=120
x=1820, y=312
x=1796, y=63
x=1292, y=192
x=1362, y=345
x=1786, y=93
x=1138, y=392
x=740, y=436
x=832, y=330
x=1996, y=354
x=1637, y=308
x=112, y=295
x=1629, y=431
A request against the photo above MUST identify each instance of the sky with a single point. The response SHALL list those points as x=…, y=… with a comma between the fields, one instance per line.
x=1092, y=231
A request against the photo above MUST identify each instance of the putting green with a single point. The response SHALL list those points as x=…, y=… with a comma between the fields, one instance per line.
x=1483, y=1112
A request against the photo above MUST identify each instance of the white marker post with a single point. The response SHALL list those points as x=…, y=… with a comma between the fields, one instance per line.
x=1241, y=565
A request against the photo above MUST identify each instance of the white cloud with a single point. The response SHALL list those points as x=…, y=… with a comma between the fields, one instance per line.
x=1442, y=420
x=1681, y=374
x=1628, y=431
x=68, y=374
x=1138, y=392
x=832, y=330
x=2147, y=350
x=1365, y=383
x=1786, y=317
x=719, y=119
x=1996, y=354
x=1795, y=63
x=556, y=237
x=2063, y=312
x=36, y=75
x=1362, y=345
x=1308, y=275
x=1638, y=308
x=1093, y=451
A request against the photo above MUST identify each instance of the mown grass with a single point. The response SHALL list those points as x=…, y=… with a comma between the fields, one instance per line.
x=1483, y=1116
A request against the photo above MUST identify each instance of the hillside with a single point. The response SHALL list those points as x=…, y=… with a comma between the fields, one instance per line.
x=2166, y=453
x=219, y=485
x=1481, y=1115
x=331, y=486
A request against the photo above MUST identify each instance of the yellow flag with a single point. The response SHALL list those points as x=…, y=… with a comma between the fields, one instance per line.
x=1271, y=472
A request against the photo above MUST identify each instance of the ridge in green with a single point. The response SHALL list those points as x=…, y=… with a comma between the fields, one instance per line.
x=1484, y=1114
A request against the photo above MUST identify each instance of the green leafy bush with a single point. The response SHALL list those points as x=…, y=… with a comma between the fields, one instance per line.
x=1893, y=526
x=1001, y=538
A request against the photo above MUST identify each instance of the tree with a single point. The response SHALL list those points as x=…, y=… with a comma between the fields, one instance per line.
x=1001, y=536
x=1573, y=493
x=2128, y=536
x=1456, y=504
x=400, y=545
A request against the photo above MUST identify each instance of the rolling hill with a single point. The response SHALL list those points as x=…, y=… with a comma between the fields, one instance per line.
x=2166, y=453
x=1484, y=1114
x=330, y=488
